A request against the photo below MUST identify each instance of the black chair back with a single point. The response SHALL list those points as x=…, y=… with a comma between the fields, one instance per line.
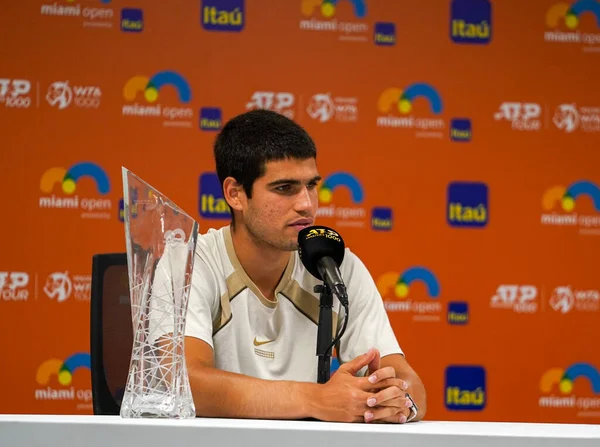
x=111, y=337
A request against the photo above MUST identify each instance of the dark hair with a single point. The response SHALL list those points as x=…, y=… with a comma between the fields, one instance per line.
x=250, y=140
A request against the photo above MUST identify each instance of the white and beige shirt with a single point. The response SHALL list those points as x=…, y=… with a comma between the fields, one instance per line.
x=277, y=340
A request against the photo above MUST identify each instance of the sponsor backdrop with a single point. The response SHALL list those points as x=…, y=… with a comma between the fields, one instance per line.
x=457, y=141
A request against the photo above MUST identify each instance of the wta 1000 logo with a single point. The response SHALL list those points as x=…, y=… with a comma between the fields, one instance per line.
x=150, y=90
x=408, y=104
x=334, y=203
x=403, y=292
x=561, y=204
x=566, y=23
x=562, y=388
x=57, y=377
x=67, y=196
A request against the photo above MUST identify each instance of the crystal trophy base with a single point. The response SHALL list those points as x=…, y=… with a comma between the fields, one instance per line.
x=161, y=241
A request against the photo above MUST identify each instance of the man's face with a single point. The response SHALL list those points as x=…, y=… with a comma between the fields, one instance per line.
x=283, y=202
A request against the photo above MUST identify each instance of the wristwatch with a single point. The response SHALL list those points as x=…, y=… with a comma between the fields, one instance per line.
x=413, y=408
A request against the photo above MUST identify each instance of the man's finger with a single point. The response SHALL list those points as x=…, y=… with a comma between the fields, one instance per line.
x=399, y=418
x=381, y=374
x=386, y=383
x=374, y=364
x=392, y=396
x=354, y=365
x=376, y=414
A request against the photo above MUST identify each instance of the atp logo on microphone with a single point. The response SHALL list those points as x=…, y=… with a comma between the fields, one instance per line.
x=415, y=291
x=324, y=232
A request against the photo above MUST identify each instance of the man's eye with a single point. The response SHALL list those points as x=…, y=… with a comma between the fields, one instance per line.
x=312, y=185
x=283, y=188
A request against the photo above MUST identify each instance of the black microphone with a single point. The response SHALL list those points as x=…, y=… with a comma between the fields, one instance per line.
x=321, y=250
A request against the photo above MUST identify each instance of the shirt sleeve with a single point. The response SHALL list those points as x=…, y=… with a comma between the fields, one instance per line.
x=203, y=304
x=368, y=323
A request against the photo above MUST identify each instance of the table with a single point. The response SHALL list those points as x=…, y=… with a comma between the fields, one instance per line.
x=108, y=431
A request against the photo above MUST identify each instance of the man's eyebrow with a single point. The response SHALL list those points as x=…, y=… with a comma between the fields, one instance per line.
x=285, y=181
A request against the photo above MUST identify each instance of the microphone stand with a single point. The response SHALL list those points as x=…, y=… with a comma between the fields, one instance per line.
x=324, y=332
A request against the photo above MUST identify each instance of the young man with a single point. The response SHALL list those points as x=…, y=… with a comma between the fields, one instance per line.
x=252, y=316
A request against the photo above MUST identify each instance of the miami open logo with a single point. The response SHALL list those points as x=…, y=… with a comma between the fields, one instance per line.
x=562, y=205
x=56, y=379
x=341, y=197
x=346, y=18
x=146, y=98
x=572, y=23
x=416, y=107
x=92, y=13
x=416, y=290
x=563, y=388
x=60, y=188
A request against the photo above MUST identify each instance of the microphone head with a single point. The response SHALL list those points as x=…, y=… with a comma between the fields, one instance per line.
x=317, y=242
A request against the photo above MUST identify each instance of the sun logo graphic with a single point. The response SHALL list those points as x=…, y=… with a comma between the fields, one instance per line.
x=333, y=185
x=567, y=198
x=395, y=289
x=327, y=8
x=571, y=16
x=324, y=18
x=394, y=100
x=563, y=381
x=63, y=371
x=150, y=88
x=340, y=179
x=69, y=180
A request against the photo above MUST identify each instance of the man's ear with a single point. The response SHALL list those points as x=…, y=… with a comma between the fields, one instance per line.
x=234, y=194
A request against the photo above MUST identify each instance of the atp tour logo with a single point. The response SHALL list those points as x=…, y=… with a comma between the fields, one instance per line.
x=161, y=86
x=576, y=387
x=562, y=204
x=523, y=116
x=91, y=206
x=15, y=93
x=280, y=102
x=415, y=291
x=58, y=379
x=15, y=286
x=346, y=18
x=516, y=297
x=571, y=24
x=93, y=16
x=394, y=101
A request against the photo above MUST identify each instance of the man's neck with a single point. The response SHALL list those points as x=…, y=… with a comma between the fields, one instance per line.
x=263, y=263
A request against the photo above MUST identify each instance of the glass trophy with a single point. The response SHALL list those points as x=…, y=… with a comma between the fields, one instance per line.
x=161, y=241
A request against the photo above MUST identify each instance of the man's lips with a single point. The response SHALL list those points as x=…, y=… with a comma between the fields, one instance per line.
x=301, y=223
